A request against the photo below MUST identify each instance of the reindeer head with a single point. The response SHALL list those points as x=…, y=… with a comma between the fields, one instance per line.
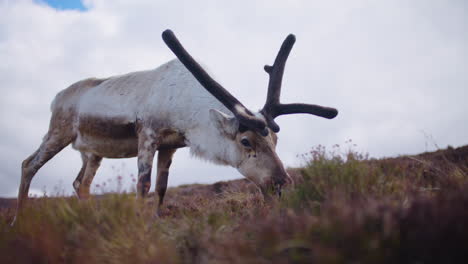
x=254, y=135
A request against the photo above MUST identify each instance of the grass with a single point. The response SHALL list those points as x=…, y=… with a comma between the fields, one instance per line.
x=344, y=208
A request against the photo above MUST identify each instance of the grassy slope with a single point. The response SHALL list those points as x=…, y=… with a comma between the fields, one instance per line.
x=345, y=208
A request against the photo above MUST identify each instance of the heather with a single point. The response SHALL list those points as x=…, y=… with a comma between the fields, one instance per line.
x=343, y=208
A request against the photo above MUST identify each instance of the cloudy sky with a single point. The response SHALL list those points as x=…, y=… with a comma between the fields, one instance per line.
x=396, y=70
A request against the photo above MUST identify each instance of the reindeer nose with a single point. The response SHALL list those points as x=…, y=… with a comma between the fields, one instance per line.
x=280, y=182
x=283, y=180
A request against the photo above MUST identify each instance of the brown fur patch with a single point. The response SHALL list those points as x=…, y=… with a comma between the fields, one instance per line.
x=170, y=139
x=114, y=128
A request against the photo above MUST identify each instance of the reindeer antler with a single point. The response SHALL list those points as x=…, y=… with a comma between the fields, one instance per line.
x=244, y=115
x=273, y=107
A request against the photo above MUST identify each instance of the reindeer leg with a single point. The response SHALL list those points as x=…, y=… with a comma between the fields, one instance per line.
x=164, y=162
x=147, y=146
x=53, y=143
x=79, y=178
x=92, y=165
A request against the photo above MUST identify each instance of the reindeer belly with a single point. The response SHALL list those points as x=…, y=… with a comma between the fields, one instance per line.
x=109, y=138
x=107, y=148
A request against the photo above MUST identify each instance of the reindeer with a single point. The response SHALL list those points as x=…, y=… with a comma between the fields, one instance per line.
x=173, y=106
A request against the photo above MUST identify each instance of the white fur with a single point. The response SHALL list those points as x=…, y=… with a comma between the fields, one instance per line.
x=168, y=95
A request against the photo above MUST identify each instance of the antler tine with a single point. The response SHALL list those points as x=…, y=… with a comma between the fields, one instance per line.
x=274, y=85
x=245, y=117
x=273, y=107
x=276, y=71
x=322, y=111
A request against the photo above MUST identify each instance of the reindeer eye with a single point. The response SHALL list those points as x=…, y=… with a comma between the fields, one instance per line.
x=246, y=143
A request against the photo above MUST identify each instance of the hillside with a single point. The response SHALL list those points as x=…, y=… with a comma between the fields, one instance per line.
x=344, y=208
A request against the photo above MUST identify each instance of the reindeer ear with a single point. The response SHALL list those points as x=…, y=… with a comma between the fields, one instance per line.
x=224, y=123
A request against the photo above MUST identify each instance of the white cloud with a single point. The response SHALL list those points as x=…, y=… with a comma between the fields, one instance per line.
x=393, y=69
